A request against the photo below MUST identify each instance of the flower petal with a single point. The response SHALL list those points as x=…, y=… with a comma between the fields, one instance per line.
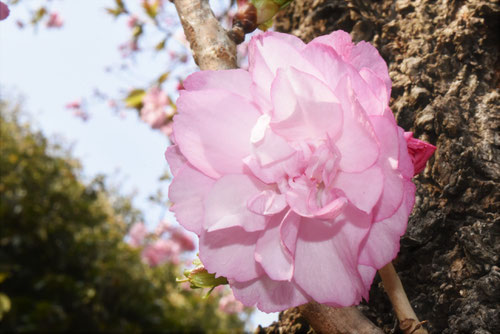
x=370, y=89
x=363, y=189
x=175, y=159
x=326, y=258
x=206, y=120
x=392, y=193
x=271, y=253
x=304, y=107
x=357, y=144
x=268, y=147
x=270, y=51
x=275, y=172
x=187, y=191
x=382, y=242
x=236, y=81
x=288, y=231
x=327, y=62
x=231, y=257
x=339, y=40
x=361, y=55
x=377, y=87
x=367, y=274
x=226, y=205
x=365, y=55
x=267, y=202
x=268, y=295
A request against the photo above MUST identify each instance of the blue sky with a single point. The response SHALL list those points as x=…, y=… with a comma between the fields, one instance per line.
x=49, y=68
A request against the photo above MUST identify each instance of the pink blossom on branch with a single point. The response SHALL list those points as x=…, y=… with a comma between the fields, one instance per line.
x=161, y=251
x=137, y=234
x=78, y=109
x=177, y=235
x=55, y=20
x=157, y=111
x=228, y=304
x=294, y=174
x=128, y=48
x=132, y=21
x=183, y=239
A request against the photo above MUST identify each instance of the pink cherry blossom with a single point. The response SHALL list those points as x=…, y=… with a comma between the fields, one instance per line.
x=132, y=21
x=420, y=151
x=55, y=20
x=163, y=227
x=78, y=109
x=161, y=251
x=177, y=235
x=228, y=304
x=185, y=242
x=294, y=174
x=137, y=234
x=4, y=11
x=76, y=104
x=157, y=110
x=128, y=48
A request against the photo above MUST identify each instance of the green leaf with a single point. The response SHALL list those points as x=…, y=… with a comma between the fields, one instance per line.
x=161, y=79
x=120, y=4
x=3, y=276
x=151, y=9
x=137, y=31
x=4, y=304
x=38, y=15
x=160, y=46
x=134, y=98
x=114, y=11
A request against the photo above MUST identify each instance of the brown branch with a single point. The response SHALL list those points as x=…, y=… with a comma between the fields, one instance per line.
x=324, y=319
x=408, y=321
x=212, y=48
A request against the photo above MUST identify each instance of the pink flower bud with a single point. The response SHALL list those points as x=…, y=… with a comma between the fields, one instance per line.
x=419, y=151
x=4, y=11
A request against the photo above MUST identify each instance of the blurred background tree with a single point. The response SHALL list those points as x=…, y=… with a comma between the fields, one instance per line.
x=64, y=264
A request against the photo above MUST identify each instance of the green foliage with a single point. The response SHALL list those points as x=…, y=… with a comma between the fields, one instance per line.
x=63, y=262
x=134, y=98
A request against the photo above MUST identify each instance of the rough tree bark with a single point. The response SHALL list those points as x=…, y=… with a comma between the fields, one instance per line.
x=443, y=58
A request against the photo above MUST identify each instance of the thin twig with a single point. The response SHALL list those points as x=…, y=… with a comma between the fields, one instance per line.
x=408, y=321
x=212, y=48
x=324, y=319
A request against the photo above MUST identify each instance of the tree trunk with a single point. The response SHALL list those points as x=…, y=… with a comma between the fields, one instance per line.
x=443, y=58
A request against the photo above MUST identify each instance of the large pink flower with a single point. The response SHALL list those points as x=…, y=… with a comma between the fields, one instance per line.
x=294, y=174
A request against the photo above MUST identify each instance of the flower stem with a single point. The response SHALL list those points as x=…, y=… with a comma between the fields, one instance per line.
x=408, y=321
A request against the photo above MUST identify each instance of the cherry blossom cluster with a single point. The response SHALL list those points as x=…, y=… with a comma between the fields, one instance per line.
x=166, y=244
